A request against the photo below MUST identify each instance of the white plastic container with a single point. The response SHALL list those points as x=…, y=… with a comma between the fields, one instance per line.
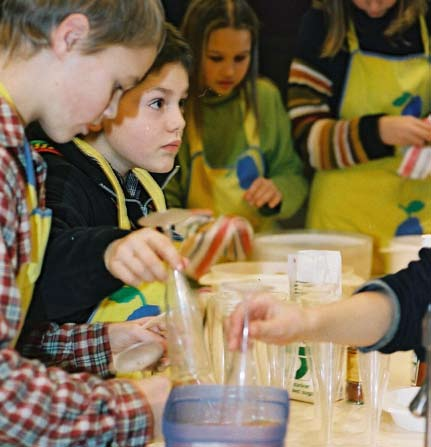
x=402, y=250
x=270, y=274
x=396, y=402
x=356, y=249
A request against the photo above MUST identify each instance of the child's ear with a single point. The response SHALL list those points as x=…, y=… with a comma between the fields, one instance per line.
x=72, y=31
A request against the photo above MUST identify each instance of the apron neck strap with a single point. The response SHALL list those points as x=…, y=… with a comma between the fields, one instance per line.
x=425, y=35
x=87, y=149
x=144, y=178
x=5, y=94
x=352, y=38
x=152, y=187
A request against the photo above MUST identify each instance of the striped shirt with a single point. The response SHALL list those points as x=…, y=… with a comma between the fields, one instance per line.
x=324, y=140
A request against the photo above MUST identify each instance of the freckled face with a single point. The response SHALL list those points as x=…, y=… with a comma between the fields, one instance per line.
x=89, y=86
x=149, y=125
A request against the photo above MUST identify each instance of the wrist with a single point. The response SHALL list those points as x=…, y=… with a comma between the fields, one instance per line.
x=312, y=323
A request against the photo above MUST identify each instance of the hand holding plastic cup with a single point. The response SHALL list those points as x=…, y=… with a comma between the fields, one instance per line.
x=141, y=355
x=138, y=357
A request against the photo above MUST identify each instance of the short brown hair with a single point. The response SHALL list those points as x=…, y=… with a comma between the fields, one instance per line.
x=27, y=24
x=175, y=49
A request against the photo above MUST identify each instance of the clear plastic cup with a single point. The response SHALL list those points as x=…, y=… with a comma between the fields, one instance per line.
x=317, y=282
x=269, y=365
x=374, y=374
x=185, y=334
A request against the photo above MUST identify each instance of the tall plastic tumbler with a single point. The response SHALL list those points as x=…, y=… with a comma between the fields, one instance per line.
x=185, y=334
x=318, y=282
x=374, y=372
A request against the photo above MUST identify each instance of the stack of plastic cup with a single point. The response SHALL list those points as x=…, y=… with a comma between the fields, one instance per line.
x=317, y=282
x=270, y=365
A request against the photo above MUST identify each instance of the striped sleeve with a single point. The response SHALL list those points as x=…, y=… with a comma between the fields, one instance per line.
x=324, y=141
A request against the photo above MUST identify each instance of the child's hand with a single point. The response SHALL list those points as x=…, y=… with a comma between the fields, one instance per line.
x=404, y=131
x=263, y=192
x=124, y=335
x=141, y=255
x=137, y=342
x=270, y=321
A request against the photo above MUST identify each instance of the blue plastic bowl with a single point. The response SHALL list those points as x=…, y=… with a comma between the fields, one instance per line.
x=193, y=414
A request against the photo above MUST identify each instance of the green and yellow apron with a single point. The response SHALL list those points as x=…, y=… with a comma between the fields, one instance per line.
x=40, y=223
x=222, y=188
x=128, y=303
x=371, y=198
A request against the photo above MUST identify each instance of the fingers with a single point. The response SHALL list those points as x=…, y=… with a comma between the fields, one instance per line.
x=422, y=132
x=124, y=335
x=149, y=336
x=404, y=130
x=158, y=322
x=417, y=132
x=141, y=256
x=263, y=192
x=258, y=309
x=234, y=328
x=270, y=320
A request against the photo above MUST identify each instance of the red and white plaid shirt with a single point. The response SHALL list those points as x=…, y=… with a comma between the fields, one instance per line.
x=40, y=405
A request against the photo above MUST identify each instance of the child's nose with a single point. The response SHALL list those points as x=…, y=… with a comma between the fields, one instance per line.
x=177, y=120
x=229, y=69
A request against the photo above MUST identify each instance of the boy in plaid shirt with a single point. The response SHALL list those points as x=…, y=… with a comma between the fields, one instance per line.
x=66, y=64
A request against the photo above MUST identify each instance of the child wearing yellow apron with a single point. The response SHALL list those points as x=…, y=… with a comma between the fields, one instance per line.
x=99, y=187
x=338, y=118
x=237, y=157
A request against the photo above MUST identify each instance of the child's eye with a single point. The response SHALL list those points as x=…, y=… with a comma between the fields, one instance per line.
x=215, y=58
x=182, y=102
x=240, y=58
x=157, y=104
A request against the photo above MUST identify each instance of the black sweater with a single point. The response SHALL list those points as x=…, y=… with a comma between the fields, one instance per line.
x=412, y=289
x=74, y=279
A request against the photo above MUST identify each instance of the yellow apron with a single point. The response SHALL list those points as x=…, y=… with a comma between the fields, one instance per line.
x=40, y=223
x=222, y=188
x=371, y=198
x=128, y=303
